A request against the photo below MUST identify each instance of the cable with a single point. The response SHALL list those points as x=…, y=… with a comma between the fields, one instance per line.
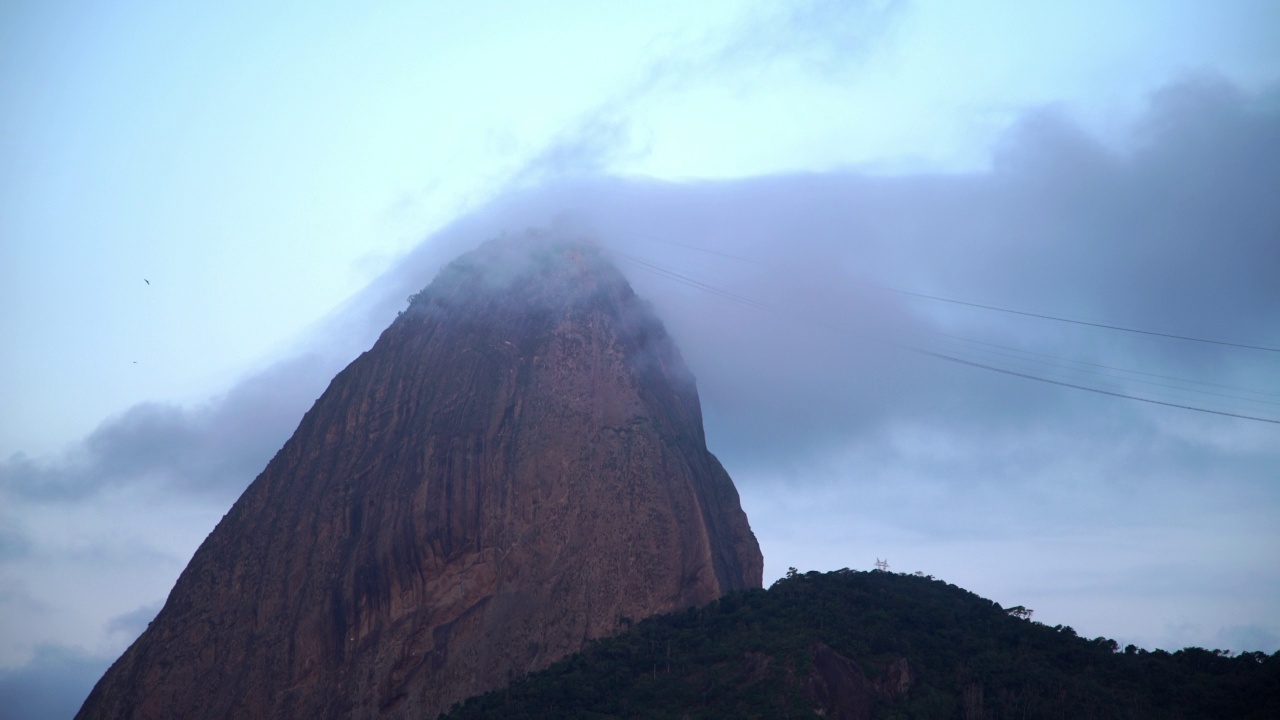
x=1114, y=377
x=1069, y=320
x=691, y=282
x=969, y=303
x=1112, y=367
x=1089, y=389
x=685, y=280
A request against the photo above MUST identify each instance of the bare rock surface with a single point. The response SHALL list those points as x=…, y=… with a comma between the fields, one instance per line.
x=516, y=466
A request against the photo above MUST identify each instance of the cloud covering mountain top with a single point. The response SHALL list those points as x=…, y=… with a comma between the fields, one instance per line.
x=1110, y=514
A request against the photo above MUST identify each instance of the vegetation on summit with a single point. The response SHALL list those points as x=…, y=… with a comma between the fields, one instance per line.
x=879, y=645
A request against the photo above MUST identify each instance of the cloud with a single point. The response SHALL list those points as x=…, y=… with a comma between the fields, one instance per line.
x=846, y=441
x=1171, y=231
x=820, y=39
x=132, y=623
x=823, y=38
x=598, y=142
x=1247, y=638
x=52, y=685
x=1174, y=234
x=214, y=449
x=826, y=37
x=12, y=544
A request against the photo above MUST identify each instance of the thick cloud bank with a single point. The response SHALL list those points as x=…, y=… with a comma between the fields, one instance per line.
x=1000, y=450
x=1176, y=234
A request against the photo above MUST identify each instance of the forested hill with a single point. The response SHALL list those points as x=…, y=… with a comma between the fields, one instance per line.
x=855, y=645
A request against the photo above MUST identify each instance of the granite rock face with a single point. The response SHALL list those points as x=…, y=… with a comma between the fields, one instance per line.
x=515, y=467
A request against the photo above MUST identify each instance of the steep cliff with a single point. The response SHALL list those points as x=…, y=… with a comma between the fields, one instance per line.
x=515, y=467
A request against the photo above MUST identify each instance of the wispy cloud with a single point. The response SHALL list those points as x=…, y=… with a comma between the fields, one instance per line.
x=821, y=39
x=214, y=449
x=132, y=623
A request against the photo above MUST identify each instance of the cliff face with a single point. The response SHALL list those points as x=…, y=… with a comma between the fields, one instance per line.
x=516, y=466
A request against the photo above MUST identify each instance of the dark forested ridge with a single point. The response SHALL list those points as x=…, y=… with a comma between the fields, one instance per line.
x=856, y=645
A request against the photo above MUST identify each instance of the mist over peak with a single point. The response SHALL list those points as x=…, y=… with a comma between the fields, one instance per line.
x=847, y=443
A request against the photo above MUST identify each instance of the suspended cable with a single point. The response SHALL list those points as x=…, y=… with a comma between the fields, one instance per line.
x=1088, y=389
x=1112, y=367
x=706, y=287
x=671, y=273
x=694, y=283
x=1114, y=377
x=997, y=308
x=1070, y=320
x=690, y=282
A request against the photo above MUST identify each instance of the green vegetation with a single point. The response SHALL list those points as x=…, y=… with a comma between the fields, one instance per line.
x=767, y=654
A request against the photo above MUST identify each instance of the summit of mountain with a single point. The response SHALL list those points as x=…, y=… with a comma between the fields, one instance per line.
x=516, y=467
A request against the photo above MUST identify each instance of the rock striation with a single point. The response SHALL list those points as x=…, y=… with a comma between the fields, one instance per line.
x=517, y=466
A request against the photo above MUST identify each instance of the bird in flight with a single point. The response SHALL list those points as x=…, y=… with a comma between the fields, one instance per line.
x=146, y=281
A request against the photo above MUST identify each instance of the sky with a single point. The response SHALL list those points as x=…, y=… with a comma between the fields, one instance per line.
x=206, y=212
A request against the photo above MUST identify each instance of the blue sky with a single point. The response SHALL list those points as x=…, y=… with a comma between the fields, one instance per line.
x=284, y=176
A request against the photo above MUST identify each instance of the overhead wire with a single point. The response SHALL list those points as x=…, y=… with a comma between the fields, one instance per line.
x=1042, y=316
x=1071, y=320
x=1115, y=377
x=1113, y=367
x=1092, y=389
x=748, y=302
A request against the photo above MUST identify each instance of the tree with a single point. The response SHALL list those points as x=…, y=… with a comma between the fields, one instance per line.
x=1020, y=612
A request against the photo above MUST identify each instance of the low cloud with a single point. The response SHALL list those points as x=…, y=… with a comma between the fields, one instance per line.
x=13, y=544
x=132, y=623
x=52, y=685
x=1244, y=637
x=845, y=439
x=1173, y=233
x=214, y=449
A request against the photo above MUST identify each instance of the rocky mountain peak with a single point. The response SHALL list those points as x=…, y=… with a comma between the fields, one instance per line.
x=515, y=467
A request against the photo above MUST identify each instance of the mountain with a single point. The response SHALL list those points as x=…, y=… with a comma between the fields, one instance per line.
x=878, y=645
x=516, y=467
